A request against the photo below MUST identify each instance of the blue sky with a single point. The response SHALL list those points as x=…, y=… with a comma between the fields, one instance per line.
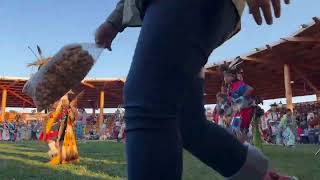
x=54, y=23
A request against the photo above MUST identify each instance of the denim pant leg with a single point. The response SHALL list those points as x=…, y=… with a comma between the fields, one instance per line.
x=175, y=42
x=209, y=142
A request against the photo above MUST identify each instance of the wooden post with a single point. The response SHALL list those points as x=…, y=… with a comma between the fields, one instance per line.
x=3, y=104
x=287, y=84
x=93, y=111
x=318, y=96
x=93, y=105
x=101, y=108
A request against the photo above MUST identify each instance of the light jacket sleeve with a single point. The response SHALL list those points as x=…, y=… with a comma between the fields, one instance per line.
x=283, y=122
x=116, y=17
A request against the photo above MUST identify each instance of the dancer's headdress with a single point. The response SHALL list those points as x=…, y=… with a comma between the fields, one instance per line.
x=232, y=67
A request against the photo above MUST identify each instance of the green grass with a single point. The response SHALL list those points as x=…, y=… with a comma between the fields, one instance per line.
x=106, y=160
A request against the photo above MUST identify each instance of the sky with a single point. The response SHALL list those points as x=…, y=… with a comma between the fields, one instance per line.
x=51, y=24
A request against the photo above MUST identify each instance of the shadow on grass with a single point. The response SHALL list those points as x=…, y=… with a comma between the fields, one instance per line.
x=26, y=155
x=23, y=147
x=14, y=166
x=27, y=171
x=105, y=161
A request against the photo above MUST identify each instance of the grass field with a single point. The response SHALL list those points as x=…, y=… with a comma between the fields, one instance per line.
x=106, y=160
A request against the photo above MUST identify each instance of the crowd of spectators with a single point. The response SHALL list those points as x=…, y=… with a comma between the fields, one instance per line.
x=305, y=119
x=308, y=122
x=19, y=130
x=86, y=128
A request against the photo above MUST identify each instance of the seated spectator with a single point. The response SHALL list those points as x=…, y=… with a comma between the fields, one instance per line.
x=310, y=116
x=93, y=134
x=313, y=122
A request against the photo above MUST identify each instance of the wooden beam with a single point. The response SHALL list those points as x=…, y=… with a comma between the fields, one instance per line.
x=20, y=97
x=17, y=95
x=101, y=109
x=88, y=84
x=91, y=96
x=302, y=39
x=287, y=84
x=262, y=60
x=3, y=104
x=286, y=58
x=213, y=72
x=276, y=94
x=259, y=60
x=114, y=95
x=13, y=83
x=271, y=72
x=304, y=77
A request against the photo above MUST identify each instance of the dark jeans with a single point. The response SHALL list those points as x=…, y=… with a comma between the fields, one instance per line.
x=164, y=92
x=34, y=135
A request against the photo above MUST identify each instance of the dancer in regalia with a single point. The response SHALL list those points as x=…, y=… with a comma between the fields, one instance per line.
x=288, y=129
x=58, y=128
x=269, y=123
x=239, y=96
x=50, y=132
x=244, y=104
x=58, y=131
x=222, y=112
x=272, y=114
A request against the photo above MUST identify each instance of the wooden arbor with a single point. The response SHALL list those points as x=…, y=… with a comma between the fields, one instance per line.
x=101, y=93
x=11, y=88
x=290, y=67
x=106, y=92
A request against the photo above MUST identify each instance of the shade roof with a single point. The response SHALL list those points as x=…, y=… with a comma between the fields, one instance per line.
x=92, y=88
x=264, y=68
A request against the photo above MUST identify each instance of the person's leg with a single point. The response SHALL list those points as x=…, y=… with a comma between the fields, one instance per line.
x=212, y=144
x=175, y=42
x=152, y=96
